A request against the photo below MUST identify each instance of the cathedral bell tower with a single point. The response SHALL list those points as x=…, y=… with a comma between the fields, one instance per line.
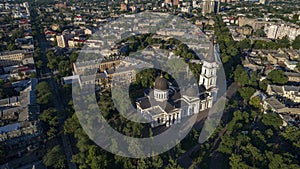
x=208, y=76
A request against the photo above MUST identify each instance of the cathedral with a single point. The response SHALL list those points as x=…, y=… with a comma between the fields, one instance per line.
x=166, y=106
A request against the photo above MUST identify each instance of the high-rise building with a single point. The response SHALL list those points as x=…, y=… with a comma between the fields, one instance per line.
x=225, y=1
x=168, y=1
x=171, y=2
x=175, y=2
x=210, y=6
x=264, y=2
x=124, y=7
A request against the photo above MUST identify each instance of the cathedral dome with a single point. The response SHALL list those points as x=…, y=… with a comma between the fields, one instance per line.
x=161, y=83
x=191, y=91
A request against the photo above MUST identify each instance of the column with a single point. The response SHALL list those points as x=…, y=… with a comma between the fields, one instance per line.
x=197, y=107
x=175, y=117
x=167, y=121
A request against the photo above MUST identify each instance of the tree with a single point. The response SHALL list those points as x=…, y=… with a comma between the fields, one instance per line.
x=73, y=57
x=241, y=75
x=255, y=154
x=256, y=102
x=244, y=44
x=253, y=81
x=263, y=85
x=277, y=77
x=272, y=120
x=146, y=78
x=11, y=47
x=95, y=158
x=55, y=158
x=296, y=43
x=39, y=64
x=172, y=164
x=44, y=93
x=2, y=152
x=259, y=44
x=37, y=52
x=260, y=33
x=236, y=162
x=279, y=161
x=51, y=119
x=52, y=59
x=71, y=124
x=295, y=17
x=48, y=116
x=157, y=162
x=284, y=42
x=64, y=68
x=226, y=145
x=246, y=92
x=292, y=135
x=54, y=43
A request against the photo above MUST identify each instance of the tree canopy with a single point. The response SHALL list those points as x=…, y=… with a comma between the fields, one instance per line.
x=277, y=77
x=55, y=158
x=296, y=43
x=246, y=92
x=44, y=93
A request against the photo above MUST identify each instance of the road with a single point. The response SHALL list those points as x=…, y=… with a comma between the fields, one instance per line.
x=185, y=159
x=57, y=100
x=216, y=156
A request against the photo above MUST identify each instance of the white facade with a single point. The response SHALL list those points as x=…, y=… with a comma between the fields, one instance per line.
x=208, y=77
x=161, y=95
x=170, y=113
x=278, y=31
x=210, y=6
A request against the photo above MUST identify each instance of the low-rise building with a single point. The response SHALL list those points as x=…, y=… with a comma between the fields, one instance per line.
x=24, y=107
x=273, y=104
x=291, y=65
x=13, y=57
x=290, y=92
x=293, y=77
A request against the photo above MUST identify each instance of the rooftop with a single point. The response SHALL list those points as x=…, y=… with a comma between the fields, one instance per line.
x=274, y=103
x=12, y=52
x=9, y=128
